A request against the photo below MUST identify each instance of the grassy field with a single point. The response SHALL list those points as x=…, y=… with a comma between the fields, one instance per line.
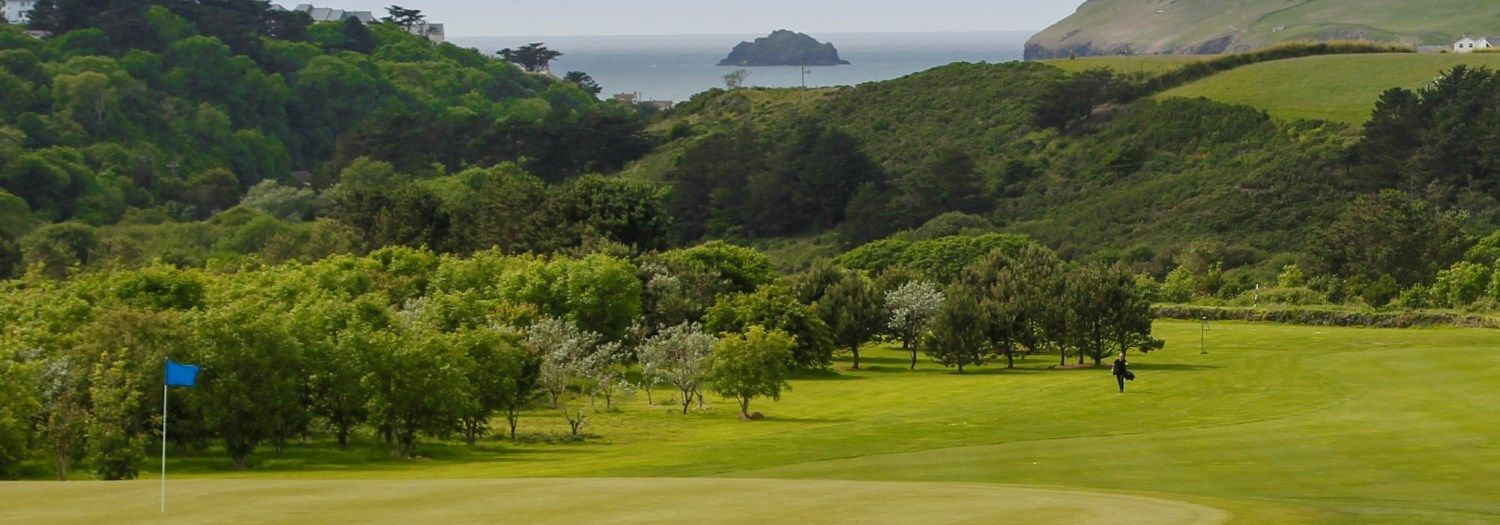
x=1340, y=88
x=587, y=500
x=1158, y=27
x=1275, y=424
x=1128, y=64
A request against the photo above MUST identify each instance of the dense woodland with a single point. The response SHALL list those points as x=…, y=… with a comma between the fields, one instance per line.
x=381, y=238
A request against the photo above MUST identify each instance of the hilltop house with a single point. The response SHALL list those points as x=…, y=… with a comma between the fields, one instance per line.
x=634, y=99
x=1470, y=45
x=16, y=10
x=433, y=32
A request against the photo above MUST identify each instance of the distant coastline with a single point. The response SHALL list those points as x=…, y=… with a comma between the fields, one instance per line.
x=676, y=67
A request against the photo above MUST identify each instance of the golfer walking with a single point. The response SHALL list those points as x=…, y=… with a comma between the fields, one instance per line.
x=1122, y=371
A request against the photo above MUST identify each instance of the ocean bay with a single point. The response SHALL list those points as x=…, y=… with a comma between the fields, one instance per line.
x=675, y=67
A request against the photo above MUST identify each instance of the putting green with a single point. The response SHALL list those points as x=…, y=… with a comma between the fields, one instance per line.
x=580, y=501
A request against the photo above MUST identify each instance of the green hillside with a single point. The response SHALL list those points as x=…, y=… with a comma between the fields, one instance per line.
x=1215, y=26
x=1125, y=64
x=965, y=138
x=1341, y=88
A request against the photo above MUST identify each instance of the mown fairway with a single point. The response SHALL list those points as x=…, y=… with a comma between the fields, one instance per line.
x=1275, y=424
x=1341, y=88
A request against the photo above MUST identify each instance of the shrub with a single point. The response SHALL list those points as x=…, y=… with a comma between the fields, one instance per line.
x=1294, y=296
x=1179, y=286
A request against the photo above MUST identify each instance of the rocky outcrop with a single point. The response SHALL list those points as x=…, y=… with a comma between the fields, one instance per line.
x=784, y=48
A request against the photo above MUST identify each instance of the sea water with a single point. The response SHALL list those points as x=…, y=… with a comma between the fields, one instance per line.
x=675, y=67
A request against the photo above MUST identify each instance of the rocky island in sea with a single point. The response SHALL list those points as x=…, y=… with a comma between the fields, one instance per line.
x=784, y=48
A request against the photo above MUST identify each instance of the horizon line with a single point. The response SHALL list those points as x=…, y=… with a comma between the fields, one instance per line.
x=450, y=37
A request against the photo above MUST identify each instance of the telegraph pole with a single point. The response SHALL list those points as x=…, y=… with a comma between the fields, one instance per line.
x=802, y=96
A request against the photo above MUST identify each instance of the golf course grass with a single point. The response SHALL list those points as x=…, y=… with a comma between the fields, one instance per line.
x=1340, y=88
x=1275, y=424
x=595, y=500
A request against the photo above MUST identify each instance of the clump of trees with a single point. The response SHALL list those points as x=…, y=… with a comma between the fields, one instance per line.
x=404, y=345
x=1008, y=307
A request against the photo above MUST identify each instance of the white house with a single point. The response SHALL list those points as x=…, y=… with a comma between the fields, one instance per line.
x=327, y=14
x=1470, y=45
x=16, y=10
x=433, y=32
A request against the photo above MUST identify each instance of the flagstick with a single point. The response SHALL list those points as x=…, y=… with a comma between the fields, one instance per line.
x=164, y=447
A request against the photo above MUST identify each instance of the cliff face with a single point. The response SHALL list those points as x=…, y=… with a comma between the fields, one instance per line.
x=784, y=48
x=1122, y=27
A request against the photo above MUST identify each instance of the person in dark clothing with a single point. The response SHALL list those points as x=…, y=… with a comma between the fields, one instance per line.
x=1121, y=371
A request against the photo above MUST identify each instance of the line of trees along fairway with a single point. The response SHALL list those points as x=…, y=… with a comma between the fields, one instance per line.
x=403, y=346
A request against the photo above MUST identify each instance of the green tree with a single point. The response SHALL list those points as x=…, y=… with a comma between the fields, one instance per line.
x=418, y=383
x=630, y=212
x=407, y=19
x=251, y=376
x=584, y=82
x=534, y=57
x=854, y=312
x=61, y=247
x=751, y=365
x=775, y=308
x=518, y=370
x=1388, y=233
x=493, y=377
x=1291, y=276
x=281, y=202
x=211, y=191
x=1032, y=282
x=951, y=181
x=17, y=403
x=736, y=269
x=115, y=449
x=957, y=338
x=88, y=98
x=598, y=292
x=1107, y=314
x=1179, y=287
x=1001, y=302
x=10, y=256
x=336, y=336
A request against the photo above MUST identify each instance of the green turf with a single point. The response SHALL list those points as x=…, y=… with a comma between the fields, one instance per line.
x=1276, y=424
x=586, y=500
x=1340, y=88
x=1127, y=64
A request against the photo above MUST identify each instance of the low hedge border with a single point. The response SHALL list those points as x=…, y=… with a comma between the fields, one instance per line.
x=1326, y=317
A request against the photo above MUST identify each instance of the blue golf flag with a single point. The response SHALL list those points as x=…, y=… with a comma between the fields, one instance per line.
x=181, y=375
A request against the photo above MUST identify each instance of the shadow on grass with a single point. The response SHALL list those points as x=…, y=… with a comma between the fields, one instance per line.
x=1171, y=366
x=374, y=456
x=824, y=375
x=771, y=417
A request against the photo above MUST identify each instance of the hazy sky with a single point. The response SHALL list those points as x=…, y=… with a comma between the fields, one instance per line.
x=672, y=17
